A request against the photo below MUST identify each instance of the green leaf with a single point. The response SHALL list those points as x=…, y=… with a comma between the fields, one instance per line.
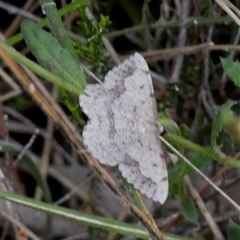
x=233, y=231
x=58, y=30
x=39, y=70
x=52, y=56
x=189, y=210
x=218, y=122
x=232, y=69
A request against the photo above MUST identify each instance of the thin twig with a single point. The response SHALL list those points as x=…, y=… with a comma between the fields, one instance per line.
x=27, y=146
x=227, y=6
x=46, y=149
x=168, y=24
x=13, y=27
x=17, y=223
x=196, y=196
x=201, y=174
x=11, y=9
x=182, y=38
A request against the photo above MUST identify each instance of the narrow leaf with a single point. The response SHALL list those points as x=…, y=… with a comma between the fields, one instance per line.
x=36, y=68
x=58, y=30
x=103, y=223
x=52, y=56
x=232, y=69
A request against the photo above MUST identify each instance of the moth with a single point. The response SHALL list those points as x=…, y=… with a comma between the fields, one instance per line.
x=122, y=129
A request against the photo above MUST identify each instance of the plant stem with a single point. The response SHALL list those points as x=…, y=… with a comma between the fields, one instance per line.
x=217, y=156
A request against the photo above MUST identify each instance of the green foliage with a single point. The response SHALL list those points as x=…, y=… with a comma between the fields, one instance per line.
x=58, y=30
x=232, y=69
x=233, y=231
x=92, y=49
x=52, y=55
x=189, y=210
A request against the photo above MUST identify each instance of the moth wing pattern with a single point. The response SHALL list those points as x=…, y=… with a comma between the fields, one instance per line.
x=122, y=129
